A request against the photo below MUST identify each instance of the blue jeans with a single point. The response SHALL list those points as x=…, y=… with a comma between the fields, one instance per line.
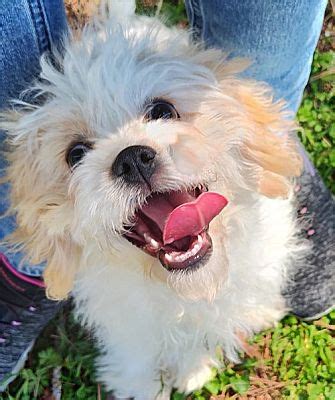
x=279, y=36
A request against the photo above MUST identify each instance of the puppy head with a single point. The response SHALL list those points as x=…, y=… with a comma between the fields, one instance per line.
x=138, y=123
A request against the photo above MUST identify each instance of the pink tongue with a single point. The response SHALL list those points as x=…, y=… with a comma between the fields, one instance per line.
x=189, y=219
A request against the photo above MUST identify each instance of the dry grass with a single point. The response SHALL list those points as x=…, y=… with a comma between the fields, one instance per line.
x=80, y=11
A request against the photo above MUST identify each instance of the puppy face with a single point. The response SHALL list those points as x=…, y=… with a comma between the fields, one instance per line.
x=140, y=128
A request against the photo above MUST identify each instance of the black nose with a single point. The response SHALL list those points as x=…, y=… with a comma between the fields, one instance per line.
x=135, y=164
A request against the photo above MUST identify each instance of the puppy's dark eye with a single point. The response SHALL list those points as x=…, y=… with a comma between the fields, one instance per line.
x=160, y=109
x=76, y=152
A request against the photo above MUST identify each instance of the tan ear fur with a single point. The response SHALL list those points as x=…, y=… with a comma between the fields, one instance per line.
x=273, y=185
x=62, y=260
x=42, y=243
x=61, y=269
x=269, y=145
x=273, y=153
x=43, y=213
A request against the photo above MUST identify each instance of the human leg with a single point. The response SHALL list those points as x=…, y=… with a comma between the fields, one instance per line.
x=279, y=38
x=28, y=29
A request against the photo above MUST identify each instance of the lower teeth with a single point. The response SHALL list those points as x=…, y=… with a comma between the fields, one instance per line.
x=183, y=257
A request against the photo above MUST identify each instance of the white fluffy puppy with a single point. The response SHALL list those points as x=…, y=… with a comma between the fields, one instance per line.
x=157, y=185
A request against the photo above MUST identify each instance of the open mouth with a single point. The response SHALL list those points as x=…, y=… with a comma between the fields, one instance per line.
x=173, y=227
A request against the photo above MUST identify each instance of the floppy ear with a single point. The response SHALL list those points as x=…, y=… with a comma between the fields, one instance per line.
x=269, y=145
x=39, y=199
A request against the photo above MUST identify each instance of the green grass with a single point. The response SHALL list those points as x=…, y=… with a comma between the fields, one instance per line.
x=64, y=346
x=295, y=360
x=317, y=116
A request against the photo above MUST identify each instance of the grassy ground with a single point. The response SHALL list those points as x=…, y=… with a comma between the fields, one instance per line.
x=296, y=360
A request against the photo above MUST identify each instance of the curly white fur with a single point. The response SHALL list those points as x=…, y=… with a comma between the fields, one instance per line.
x=156, y=330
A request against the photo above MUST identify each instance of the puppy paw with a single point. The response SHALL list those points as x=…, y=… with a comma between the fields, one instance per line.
x=110, y=396
x=196, y=379
x=164, y=395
